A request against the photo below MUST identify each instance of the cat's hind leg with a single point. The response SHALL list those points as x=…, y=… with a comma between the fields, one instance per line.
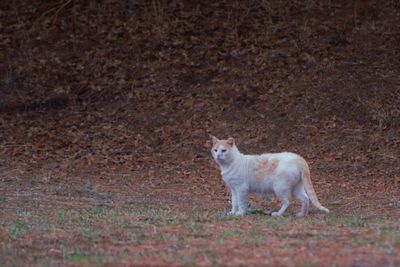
x=300, y=194
x=283, y=196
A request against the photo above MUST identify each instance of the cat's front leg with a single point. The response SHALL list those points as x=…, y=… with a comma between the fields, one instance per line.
x=241, y=196
x=234, y=203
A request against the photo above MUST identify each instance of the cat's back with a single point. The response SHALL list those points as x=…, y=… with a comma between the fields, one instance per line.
x=281, y=157
x=278, y=164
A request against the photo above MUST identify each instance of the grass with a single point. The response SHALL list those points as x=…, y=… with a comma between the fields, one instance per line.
x=196, y=229
x=187, y=261
x=354, y=221
x=221, y=216
x=255, y=237
x=87, y=233
x=346, y=221
x=17, y=228
x=278, y=223
x=188, y=238
x=305, y=264
x=230, y=235
x=138, y=238
x=80, y=258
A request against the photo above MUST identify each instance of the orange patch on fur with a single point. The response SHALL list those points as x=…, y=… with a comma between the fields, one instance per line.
x=265, y=169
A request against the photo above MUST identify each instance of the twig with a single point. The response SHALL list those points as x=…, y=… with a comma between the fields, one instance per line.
x=57, y=10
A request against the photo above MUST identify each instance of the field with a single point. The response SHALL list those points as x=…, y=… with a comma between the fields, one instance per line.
x=118, y=222
x=106, y=113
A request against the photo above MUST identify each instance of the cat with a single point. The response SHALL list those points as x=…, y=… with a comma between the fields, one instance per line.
x=281, y=174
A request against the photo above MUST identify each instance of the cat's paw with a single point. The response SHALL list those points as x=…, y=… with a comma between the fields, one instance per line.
x=276, y=214
x=268, y=212
x=300, y=215
x=231, y=213
x=240, y=213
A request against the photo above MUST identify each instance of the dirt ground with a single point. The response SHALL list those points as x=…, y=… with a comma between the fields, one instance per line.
x=106, y=113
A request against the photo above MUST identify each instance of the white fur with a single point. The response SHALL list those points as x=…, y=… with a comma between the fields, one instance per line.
x=239, y=173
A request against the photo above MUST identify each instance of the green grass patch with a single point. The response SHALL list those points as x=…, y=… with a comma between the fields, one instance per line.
x=188, y=261
x=196, y=229
x=354, y=222
x=158, y=217
x=138, y=238
x=255, y=237
x=18, y=228
x=221, y=216
x=88, y=233
x=350, y=221
x=276, y=222
x=305, y=264
x=79, y=258
x=230, y=234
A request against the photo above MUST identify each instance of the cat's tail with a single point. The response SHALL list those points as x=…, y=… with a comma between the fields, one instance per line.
x=305, y=177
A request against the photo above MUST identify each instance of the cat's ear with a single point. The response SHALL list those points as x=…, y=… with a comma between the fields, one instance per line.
x=214, y=140
x=230, y=141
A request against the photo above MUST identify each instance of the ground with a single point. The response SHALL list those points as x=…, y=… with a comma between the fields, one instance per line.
x=107, y=109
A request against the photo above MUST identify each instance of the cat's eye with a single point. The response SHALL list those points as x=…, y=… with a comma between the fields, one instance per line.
x=216, y=150
x=223, y=150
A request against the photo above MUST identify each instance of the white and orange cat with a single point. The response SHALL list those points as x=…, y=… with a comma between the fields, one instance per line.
x=281, y=174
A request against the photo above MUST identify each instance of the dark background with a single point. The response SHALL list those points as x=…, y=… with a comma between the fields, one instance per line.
x=115, y=84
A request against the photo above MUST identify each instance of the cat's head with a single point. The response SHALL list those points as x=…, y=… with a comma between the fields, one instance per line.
x=223, y=151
